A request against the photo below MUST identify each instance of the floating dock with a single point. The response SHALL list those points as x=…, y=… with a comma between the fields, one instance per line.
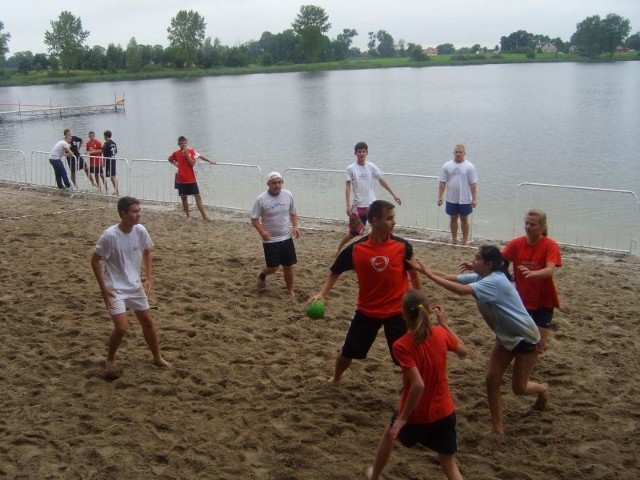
x=30, y=111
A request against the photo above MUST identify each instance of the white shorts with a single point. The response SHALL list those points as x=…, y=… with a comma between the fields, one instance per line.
x=136, y=301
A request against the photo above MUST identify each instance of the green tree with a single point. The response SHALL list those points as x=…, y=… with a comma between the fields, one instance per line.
x=633, y=42
x=446, y=49
x=416, y=53
x=210, y=55
x=133, y=56
x=386, y=46
x=519, y=41
x=4, y=41
x=115, y=57
x=594, y=36
x=41, y=61
x=342, y=43
x=66, y=38
x=186, y=35
x=310, y=26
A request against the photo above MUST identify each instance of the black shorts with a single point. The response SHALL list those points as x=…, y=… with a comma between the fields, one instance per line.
x=71, y=161
x=280, y=253
x=186, y=189
x=526, y=347
x=109, y=167
x=95, y=170
x=439, y=436
x=543, y=317
x=364, y=330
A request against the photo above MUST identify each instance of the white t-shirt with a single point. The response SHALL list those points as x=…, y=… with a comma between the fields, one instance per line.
x=459, y=177
x=275, y=212
x=59, y=150
x=361, y=178
x=502, y=309
x=122, y=254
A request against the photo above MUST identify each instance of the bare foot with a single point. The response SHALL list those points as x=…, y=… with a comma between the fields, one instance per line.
x=541, y=401
x=333, y=381
x=368, y=473
x=111, y=372
x=162, y=363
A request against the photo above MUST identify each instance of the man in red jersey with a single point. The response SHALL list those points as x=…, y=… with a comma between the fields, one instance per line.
x=185, y=159
x=380, y=261
x=96, y=171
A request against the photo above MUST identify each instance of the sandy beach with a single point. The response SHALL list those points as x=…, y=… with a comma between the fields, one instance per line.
x=247, y=396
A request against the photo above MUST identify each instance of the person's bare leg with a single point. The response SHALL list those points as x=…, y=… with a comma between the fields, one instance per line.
x=498, y=362
x=114, y=180
x=104, y=182
x=185, y=205
x=464, y=226
x=342, y=363
x=265, y=271
x=545, y=334
x=288, y=278
x=522, y=368
x=151, y=337
x=453, y=226
x=115, y=339
x=449, y=466
x=385, y=447
x=343, y=242
x=200, y=206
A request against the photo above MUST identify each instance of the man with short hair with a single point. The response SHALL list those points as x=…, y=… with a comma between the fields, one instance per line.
x=96, y=170
x=55, y=159
x=116, y=261
x=460, y=179
x=109, y=152
x=76, y=162
x=274, y=215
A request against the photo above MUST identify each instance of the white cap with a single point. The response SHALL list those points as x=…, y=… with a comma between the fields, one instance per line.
x=273, y=175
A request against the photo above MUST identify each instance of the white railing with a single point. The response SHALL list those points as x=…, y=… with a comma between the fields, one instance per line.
x=13, y=166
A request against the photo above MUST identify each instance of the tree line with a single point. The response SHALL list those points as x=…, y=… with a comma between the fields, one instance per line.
x=305, y=42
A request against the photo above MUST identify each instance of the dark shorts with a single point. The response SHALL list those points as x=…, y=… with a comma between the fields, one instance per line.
x=543, y=317
x=526, y=347
x=462, y=209
x=110, y=167
x=95, y=170
x=280, y=253
x=357, y=221
x=186, y=189
x=72, y=162
x=439, y=436
x=364, y=330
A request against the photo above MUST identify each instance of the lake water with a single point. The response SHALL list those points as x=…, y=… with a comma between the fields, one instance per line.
x=566, y=123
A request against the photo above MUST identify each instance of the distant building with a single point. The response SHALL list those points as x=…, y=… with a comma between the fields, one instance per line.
x=548, y=48
x=430, y=51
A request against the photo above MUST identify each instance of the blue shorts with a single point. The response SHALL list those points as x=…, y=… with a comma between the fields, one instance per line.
x=280, y=253
x=542, y=317
x=439, y=436
x=186, y=189
x=364, y=330
x=462, y=209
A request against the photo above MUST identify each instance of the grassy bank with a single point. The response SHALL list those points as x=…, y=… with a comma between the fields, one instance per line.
x=12, y=78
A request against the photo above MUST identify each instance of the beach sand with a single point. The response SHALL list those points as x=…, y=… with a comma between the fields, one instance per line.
x=247, y=396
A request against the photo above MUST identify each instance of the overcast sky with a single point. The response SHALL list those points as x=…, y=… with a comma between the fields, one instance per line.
x=428, y=23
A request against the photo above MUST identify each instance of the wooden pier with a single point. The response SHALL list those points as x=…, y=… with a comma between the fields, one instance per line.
x=30, y=111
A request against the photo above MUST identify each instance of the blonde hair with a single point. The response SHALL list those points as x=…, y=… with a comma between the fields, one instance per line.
x=415, y=309
x=542, y=218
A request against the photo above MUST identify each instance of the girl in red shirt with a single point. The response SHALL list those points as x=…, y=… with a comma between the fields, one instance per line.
x=426, y=413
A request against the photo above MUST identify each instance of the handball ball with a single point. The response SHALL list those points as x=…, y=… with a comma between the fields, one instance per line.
x=315, y=311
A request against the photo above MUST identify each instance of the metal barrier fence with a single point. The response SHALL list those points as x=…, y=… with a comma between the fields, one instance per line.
x=13, y=166
x=595, y=218
x=320, y=193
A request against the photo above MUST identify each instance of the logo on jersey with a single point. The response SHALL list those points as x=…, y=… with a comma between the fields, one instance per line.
x=379, y=263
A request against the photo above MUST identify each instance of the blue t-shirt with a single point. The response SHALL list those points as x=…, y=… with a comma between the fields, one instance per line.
x=502, y=309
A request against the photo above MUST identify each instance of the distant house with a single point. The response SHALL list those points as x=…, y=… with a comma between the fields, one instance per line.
x=430, y=51
x=548, y=48
x=574, y=49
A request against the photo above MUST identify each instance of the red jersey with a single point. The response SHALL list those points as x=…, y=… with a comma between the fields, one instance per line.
x=535, y=293
x=94, y=160
x=186, y=173
x=382, y=274
x=430, y=358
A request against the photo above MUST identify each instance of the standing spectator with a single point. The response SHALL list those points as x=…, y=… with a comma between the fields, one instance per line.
x=460, y=179
x=273, y=215
x=55, y=159
x=535, y=257
x=380, y=261
x=426, y=412
x=76, y=162
x=119, y=253
x=185, y=181
x=96, y=170
x=360, y=177
x=109, y=152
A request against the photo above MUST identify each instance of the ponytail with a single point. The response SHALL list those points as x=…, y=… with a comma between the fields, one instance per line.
x=415, y=307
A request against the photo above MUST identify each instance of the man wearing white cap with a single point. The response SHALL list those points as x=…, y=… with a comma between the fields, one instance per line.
x=273, y=214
